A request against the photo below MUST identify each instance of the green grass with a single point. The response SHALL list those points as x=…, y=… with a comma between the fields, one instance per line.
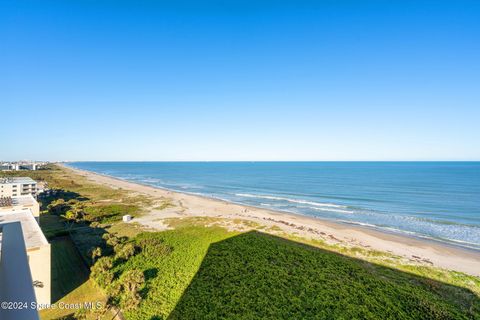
x=86, y=239
x=262, y=276
x=128, y=230
x=167, y=276
x=210, y=273
x=110, y=212
x=52, y=226
x=68, y=269
x=87, y=291
x=70, y=282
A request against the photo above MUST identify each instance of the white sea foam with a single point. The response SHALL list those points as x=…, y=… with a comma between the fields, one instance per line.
x=151, y=180
x=358, y=223
x=331, y=210
x=463, y=243
x=316, y=204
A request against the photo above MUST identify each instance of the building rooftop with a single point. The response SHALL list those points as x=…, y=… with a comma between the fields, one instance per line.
x=25, y=200
x=21, y=180
x=32, y=234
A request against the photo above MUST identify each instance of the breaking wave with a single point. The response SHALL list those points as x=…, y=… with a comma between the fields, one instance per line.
x=299, y=201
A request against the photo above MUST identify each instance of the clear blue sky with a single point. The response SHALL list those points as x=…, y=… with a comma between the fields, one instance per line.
x=240, y=80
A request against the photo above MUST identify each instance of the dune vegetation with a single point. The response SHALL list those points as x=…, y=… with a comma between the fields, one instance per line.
x=199, y=270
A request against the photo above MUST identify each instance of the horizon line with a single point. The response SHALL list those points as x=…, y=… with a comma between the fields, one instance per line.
x=72, y=161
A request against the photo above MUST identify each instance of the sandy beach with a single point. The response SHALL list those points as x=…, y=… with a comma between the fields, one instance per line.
x=410, y=249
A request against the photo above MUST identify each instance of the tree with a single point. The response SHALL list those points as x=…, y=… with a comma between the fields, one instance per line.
x=76, y=213
x=94, y=253
x=125, y=251
x=101, y=271
x=111, y=239
x=131, y=281
x=57, y=207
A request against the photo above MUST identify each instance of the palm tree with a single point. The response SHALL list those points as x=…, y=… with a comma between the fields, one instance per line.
x=97, y=252
x=125, y=251
x=131, y=281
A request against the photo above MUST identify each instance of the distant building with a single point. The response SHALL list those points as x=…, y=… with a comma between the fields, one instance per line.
x=28, y=166
x=9, y=166
x=17, y=186
x=22, y=165
x=20, y=203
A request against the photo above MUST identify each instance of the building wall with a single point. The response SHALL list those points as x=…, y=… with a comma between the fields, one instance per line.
x=27, y=188
x=17, y=189
x=39, y=260
x=6, y=190
x=35, y=208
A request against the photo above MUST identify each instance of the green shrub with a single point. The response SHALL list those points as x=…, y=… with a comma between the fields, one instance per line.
x=152, y=246
x=101, y=271
x=131, y=282
x=125, y=251
x=58, y=207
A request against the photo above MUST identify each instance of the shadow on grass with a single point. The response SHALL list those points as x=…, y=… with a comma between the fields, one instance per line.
x=68, y=268
x=71, y=260
x=260, y=276
x=55, y=194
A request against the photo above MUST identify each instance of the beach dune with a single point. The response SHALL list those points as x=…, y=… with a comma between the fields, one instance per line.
x=412, y=249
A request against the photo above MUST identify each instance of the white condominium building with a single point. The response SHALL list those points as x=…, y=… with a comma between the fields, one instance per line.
x=25, y=254
x=17, y=186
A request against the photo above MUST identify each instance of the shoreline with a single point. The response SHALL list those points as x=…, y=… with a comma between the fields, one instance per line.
x=415, y=249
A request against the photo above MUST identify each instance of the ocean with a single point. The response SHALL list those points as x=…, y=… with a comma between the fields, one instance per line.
x=437, y=200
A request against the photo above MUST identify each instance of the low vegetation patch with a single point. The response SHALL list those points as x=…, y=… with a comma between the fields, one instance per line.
x=166, y=203
x=256, y=275
x=198, y=272
x=109, y=213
